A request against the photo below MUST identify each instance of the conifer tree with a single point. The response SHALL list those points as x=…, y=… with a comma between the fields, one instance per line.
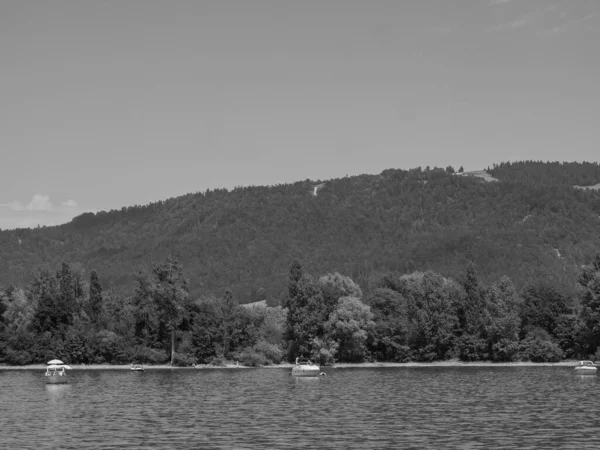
x=95, y=300
x=294, y=278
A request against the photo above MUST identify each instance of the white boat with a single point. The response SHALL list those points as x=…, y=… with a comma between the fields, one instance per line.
x=586, y=367
x=56, y=372
x=137, y=368
x=305, y=368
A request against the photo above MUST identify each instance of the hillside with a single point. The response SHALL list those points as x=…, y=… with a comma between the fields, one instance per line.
x=532, y=225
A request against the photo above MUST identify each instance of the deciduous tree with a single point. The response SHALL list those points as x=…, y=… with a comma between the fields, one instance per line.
x=349, y=325
x=432, y=317
x=589, y=289
x=503, y=321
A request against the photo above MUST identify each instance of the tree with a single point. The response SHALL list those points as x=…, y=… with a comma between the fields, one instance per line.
x=542, y=307
x=471, y=344
x=471, y=312
x=589, y=290
x=431, y=310
x=389, y=335
x=274, y=325
x=503, y=321
x=293, y=279
x=5, y=299
x=237, y=327
x=49, y=314
x=71, y=291
x=219, y=327
x=305, y=315
x=349, y=325
x=146, y=318
x=589, y=272
x=95, y=297
x=571, y=333
x=205, y=323
x=19, y=312
x=170, y=294
x=335, y=286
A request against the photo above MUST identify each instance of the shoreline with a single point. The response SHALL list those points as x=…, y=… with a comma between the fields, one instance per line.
x=456, y=363
x=367, y=365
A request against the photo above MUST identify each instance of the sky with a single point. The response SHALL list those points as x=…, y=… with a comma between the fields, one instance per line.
x=105, y=104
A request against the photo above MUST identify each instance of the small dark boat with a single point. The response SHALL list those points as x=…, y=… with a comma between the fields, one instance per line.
x=305, y=368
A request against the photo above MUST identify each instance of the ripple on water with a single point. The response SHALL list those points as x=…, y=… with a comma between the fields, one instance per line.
x=431, y=407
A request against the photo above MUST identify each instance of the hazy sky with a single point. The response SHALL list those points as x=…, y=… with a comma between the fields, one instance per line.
x=105, y=104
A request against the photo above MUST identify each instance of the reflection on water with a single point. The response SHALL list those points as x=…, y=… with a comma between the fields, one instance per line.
x=432, y=407
x=57, y=391
x=585, y=378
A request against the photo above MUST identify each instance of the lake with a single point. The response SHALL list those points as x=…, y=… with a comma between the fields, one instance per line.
x=351, y=408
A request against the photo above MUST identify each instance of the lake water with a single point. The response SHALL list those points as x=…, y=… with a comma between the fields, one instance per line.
x=431, y=407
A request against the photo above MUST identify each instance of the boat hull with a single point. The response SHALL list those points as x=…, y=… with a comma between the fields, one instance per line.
x=56, y=379
x=586, y=370
x=305, y=372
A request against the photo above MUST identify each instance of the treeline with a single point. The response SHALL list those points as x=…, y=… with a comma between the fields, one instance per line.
x=426, y=317
x=532, y=226
x=59, y=314
x=548, y=173
x=421, y=316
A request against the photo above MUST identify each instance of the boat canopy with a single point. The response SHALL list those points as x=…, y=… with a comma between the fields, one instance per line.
x=55, y=362
x=58, y=366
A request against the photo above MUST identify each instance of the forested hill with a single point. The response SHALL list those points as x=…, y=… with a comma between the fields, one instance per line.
x=532, y=225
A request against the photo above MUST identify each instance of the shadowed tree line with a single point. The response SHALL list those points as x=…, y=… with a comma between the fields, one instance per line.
x=420, y=316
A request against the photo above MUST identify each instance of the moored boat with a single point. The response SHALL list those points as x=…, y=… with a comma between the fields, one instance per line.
x=56, y=372
x=305, y=368
x=586, y=367
x=137, y=368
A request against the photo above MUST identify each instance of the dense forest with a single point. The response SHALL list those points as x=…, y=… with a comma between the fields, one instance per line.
x=420, y=264
x=421, y=316
x=532, y=225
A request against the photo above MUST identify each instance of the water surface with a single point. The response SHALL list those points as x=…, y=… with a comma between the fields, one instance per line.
x=352, y=408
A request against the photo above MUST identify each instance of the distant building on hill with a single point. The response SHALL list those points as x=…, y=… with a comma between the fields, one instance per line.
x=478, y=174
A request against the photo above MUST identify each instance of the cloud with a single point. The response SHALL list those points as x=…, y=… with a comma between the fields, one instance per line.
x=567, y=23
x=521, y=22
x=27, y=221
x=38, y=203
x=70, y=204
x=518, y=23
x=39, y=211
x=548, y=19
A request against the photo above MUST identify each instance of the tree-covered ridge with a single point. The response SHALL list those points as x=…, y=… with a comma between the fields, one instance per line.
x=548, y=173
x=362, y=226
